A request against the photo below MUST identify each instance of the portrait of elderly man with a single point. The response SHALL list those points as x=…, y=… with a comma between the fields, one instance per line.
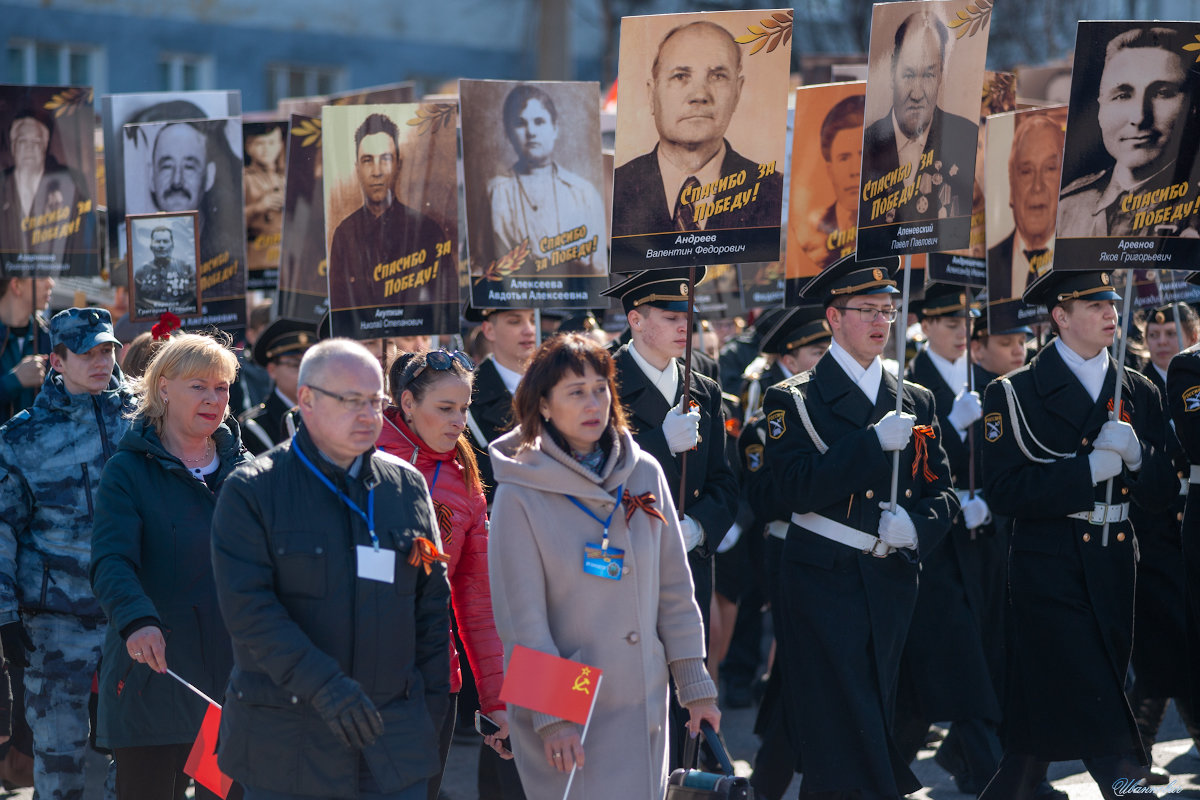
x=537, y=197
x=1144, y=103
x=35, y=185
x=695, y=84
x=1034, y=173
x=164, y=283
x=383, y=229
x=916, y=130
x=832, y=229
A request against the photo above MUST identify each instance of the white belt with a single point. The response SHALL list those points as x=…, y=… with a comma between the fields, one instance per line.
x=1100, y=513
x=778, y=529
x=1195, y=476
x=843, y=534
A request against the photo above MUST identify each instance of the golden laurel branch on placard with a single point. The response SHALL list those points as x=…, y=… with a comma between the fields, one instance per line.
x=509, y=263
x=970, y=19
x=774, y=31
x=67, y=101
x=310, y=129
x=431, y=118
x=1192, y=47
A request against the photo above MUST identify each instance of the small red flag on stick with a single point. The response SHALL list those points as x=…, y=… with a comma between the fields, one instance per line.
x=201, y=764
x=551, y=685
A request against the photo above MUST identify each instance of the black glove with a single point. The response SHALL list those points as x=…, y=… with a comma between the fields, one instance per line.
x=348, y=711
x=16, y=642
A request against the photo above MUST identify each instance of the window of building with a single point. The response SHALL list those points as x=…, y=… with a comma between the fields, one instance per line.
x=54, y=64
x=184, y=72
x=298, y=80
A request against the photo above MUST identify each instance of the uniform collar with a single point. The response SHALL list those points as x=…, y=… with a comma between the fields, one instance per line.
x=954, y=373
x=666, y=381
x=1089, y=371
x=865, y=378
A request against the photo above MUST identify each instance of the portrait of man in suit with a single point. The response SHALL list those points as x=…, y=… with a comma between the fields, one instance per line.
x=695, y=85
x=1034, y=169
x=918, y=152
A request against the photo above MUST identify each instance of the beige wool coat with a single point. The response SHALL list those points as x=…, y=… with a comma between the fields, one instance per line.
x=631, y=628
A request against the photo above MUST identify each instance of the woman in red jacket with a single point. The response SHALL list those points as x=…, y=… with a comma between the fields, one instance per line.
x=431, y=393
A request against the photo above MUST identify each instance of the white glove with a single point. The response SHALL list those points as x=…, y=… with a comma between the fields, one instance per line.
x=731, y=538
x=1105, y=464
x=894, y=430
x=975, y=512
x=693, y=534
x=966, y=409
x=1120, y=437
x=681, y=430
x=896, y=528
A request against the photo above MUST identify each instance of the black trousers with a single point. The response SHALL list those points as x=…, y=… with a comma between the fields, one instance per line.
x=156, y=773
x=445, y=735
x=1019, y=775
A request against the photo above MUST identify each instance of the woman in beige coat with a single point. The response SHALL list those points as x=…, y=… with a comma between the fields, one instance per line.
x=572, y=444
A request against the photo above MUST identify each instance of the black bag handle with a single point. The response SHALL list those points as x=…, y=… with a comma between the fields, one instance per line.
x=716, y=742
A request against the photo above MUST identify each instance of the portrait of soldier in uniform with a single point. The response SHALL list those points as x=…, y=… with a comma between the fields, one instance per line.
x=164, y=278
x=1144, y=107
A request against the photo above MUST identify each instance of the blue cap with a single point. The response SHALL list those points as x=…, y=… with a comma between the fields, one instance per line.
x=81, y=329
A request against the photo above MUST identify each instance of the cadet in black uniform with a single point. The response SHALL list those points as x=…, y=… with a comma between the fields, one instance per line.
x=670, y=419
x=1050, y=449
x=1160, y=622
x=278, y=349
x=944, y=674
x=799, y=338
x=512, y=334
x=849, y=569
x=1183, y=402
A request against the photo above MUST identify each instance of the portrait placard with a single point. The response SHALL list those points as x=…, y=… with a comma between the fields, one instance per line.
x=532, y=170
x=391, y=219
x=1022, y=162
x=822, y=222
x=762, y=285
x=265, y=171
x=1157, y=287
x=918, y=166
x=119, y=110
x=1130, y=194
x=719, y=296
x=303, y=286
x=968, y=266
x=700, y=140
x=47, y=181
x=196, y=165
x=163, y=263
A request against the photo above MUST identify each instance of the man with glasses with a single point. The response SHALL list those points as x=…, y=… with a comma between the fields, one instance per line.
x=278, y=349
x=848, y=575
x=333, y=586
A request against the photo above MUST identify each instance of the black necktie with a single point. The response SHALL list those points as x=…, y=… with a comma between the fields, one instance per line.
x=685, y=213
x=1038, y=260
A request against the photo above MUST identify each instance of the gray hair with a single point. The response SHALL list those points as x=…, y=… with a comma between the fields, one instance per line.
x=318, y=357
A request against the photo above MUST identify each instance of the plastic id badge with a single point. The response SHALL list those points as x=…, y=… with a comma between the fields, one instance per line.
x=603, y=563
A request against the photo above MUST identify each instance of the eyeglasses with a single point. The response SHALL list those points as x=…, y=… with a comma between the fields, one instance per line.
x=870, y=313
x=355, y=403
x=442, y=360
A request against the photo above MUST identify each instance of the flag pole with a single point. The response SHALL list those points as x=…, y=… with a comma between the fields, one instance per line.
x=1116, y=412
x=970, y=388
x=901, y=333
x=214, y=702
x=583, y=736
x=686, y=396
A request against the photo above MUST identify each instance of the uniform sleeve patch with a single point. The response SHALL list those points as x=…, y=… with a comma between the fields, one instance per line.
x=1191, y=399
x=775, y=424
x=754, y=457
x=993, y=426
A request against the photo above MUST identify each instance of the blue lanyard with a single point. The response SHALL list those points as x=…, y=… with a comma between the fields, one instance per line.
x=604, y=522
x=433, y=482
x=368, y=517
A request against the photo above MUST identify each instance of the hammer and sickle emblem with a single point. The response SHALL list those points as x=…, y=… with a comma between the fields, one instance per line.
x=582, y=682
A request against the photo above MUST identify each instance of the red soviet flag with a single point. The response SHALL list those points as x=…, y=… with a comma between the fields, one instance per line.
x=202, y=761
x=556, y=686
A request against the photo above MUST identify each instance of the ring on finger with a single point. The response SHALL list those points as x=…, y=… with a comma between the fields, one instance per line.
x=558, y=755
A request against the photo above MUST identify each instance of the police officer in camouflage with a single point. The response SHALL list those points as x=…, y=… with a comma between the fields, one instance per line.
x=51, y=456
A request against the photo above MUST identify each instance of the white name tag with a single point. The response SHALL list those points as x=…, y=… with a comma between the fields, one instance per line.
x=376, y=565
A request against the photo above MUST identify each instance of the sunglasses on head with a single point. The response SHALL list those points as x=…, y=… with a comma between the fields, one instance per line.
x=442, y=360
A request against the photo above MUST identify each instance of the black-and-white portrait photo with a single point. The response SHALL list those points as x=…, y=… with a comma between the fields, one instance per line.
x=532, y=168
x=163, y=260
x=194, y=165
